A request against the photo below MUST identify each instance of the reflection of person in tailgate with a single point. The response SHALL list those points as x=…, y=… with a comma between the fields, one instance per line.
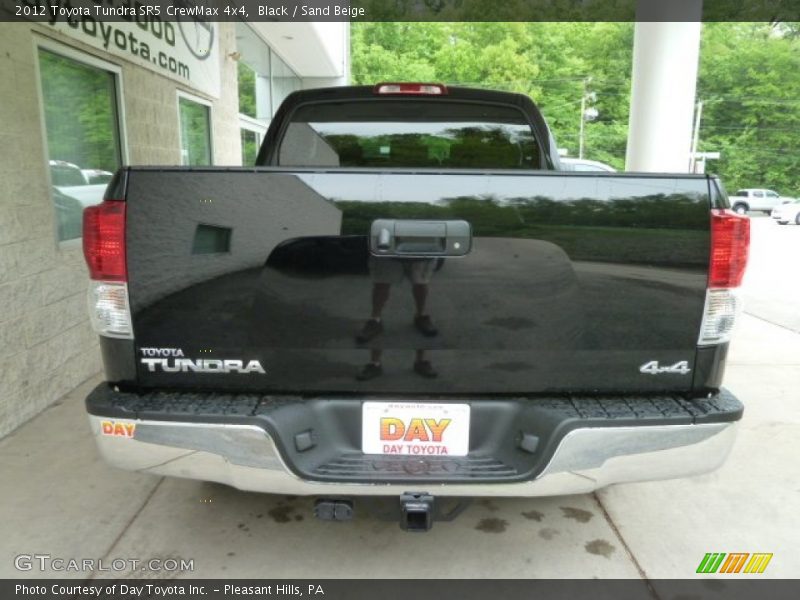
x=385, y=272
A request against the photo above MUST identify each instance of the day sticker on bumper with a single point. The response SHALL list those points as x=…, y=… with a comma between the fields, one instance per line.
x=123, y=429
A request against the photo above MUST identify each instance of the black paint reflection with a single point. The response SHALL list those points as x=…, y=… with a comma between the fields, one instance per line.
x=312, y=292
x=572, y=282
x=386, y=272
x=660, y=229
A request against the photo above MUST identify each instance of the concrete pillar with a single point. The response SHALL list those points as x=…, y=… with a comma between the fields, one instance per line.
x=663, y=84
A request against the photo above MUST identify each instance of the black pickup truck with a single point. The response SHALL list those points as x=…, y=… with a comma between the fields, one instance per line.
x=408, y=297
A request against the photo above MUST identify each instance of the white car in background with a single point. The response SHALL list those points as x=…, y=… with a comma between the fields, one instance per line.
x=96, y=176
x=85, y=185
x=757, y=199
x=787, y=213
x=585, y=165
x=73, y=190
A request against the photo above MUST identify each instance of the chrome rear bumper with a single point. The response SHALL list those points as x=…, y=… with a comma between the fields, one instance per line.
x=246, y=457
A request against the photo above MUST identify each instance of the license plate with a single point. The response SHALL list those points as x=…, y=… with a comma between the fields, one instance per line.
x=413, y=429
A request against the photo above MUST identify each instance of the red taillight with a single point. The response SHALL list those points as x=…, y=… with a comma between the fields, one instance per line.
x=730, y=243
x=413, y=89
x=104, y=241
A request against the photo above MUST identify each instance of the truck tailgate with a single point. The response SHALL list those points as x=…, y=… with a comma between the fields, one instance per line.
x=262, y=279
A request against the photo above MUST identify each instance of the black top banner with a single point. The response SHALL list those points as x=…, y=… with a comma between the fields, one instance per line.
x=74, y=11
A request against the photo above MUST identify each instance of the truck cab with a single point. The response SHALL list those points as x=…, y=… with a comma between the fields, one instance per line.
x=407, y=297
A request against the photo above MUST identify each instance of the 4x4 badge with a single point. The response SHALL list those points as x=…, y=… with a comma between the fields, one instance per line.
x=653, y=368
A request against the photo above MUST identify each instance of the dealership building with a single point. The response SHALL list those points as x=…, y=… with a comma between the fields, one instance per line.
x=80, y=99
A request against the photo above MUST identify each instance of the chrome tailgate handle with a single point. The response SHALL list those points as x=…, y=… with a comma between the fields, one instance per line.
x=419, y=238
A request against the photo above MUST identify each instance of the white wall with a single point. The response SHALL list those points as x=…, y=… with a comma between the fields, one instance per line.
x=46, y=344
x=312, y=50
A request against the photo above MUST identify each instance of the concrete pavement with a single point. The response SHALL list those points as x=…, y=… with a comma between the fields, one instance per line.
x=62, y=500
x=68, y=503
x=771, y=288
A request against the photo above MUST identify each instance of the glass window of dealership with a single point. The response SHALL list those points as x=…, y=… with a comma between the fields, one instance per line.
x=82, y=98
x=264, y=81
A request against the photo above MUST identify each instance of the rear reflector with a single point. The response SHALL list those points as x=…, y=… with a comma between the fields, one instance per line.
x=109, y=311
x=104, y=241
x=730, y=244
x=412, y=89
x=719, y=316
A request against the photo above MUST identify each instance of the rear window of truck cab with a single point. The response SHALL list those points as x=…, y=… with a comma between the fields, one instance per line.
x=420, y=134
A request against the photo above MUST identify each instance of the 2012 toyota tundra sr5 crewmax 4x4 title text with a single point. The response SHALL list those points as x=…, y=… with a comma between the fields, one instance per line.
x=407, y=297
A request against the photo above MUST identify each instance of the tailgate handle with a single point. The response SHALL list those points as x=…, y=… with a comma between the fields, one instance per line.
x=418, y=238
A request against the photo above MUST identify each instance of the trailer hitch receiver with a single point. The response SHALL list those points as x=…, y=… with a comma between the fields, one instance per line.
x=416, y=511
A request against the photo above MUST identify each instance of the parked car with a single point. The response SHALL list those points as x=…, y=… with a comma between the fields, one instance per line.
x=408, y=299
x=73, y=190
x=584, y=165
x=787, y=213
x=85, y=185
x=95, y=176
x=756, y=199
x=69, y=215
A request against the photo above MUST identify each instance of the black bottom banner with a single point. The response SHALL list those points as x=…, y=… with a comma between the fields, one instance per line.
x=397, y=589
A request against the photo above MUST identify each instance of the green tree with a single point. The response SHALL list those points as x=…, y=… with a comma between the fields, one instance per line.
x=750, y=85
x=80, y=113
x=247, y=89
x=547, y=61
x=749, y=81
